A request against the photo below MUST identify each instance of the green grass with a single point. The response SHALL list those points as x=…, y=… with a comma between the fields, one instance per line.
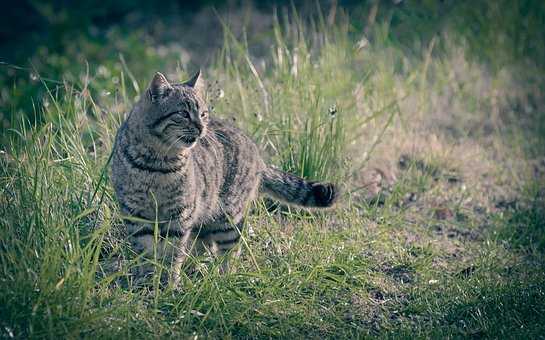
x=453, y=249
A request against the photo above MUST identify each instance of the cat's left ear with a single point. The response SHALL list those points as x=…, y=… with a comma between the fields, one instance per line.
x=197, y=83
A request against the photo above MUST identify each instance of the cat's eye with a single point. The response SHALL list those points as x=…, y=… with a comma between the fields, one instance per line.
x=179, y=116
x=204, y=114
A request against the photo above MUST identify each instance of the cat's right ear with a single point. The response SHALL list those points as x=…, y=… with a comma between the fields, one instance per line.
x=159, y=87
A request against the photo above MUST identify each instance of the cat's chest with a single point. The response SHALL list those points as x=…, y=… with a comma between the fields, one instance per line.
x=160, y=193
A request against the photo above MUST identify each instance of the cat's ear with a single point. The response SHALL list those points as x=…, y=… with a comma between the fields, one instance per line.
x=159, y=87
x=197, y=83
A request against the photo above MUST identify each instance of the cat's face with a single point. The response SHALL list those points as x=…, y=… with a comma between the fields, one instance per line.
x=175, y=115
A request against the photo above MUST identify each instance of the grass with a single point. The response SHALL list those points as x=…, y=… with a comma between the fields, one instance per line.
x=453, y=247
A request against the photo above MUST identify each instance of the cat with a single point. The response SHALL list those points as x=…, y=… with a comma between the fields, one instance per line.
x=192, y=175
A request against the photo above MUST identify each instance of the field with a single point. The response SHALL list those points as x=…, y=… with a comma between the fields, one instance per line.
x=430, y=117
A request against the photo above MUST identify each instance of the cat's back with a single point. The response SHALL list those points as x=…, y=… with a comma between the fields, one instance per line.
x=238, y=148
x=241, y=163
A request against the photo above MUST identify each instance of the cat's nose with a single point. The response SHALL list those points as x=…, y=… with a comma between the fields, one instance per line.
x=199, y=128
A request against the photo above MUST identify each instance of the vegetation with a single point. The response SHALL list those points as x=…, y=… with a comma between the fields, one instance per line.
x=437, y=138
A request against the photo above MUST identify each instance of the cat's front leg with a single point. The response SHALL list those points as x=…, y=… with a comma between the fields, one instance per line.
x=183, y=245
x=157, y=248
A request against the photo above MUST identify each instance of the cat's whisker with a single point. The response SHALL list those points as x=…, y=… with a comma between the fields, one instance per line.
x=210, y=139
x=173, y=143
x=183, y=132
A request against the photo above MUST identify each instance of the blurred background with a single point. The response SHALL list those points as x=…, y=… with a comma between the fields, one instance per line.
x=60, y=40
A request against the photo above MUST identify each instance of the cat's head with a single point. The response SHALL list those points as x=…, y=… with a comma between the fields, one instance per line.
x=173, y=116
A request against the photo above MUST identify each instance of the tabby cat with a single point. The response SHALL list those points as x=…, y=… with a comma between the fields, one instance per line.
x=192, y=175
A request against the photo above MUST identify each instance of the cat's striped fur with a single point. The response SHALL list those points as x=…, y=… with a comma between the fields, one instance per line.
x=192, y=174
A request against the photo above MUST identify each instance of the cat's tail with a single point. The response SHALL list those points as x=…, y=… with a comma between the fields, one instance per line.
x=295, y=190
